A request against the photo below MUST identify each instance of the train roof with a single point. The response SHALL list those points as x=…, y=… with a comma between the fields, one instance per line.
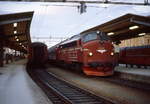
x=69, y=40
x=53, y=47
x=72, y=39
x=35, y=44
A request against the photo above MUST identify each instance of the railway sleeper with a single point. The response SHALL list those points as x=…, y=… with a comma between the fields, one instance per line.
x=88, y=97
x=83, y=99
x=69, y=92
x=81, y=96
x=66, y=89
x=88, y=102
x=93, y=103
x=61, y=86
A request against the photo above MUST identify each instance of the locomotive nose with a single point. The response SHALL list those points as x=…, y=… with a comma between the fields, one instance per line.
x=98, y=55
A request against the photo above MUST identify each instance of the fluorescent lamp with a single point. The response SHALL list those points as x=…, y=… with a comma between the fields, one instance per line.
x=15, y=24
x=15, y=32
x=142, y=34
x=17, y=39
x=110, y=33
x=97, y=32
x=133, y=27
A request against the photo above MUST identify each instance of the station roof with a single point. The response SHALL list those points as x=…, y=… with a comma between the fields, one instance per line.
x=125, y=27
x=14, y=30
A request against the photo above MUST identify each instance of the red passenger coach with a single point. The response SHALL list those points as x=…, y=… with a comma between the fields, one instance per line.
x=139, y=55
x=37, y=55
x=91, y=53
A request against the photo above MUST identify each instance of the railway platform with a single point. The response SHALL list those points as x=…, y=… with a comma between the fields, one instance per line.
x=16, y=87
x=133, y=74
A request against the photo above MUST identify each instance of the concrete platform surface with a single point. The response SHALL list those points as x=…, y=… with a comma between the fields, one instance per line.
x=16, y=87
x=134, y=74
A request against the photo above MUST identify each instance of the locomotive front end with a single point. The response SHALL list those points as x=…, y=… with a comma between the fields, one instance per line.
x=98, y=54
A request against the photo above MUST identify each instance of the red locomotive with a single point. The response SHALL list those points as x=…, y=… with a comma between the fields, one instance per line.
x=92, y=53
x=38, y=55
x=139, y=55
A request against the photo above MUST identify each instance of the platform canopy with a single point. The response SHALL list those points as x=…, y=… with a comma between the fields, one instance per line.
x=14, y=30
x=125, y=27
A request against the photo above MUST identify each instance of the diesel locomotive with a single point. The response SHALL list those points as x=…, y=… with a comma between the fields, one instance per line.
x=91, y=52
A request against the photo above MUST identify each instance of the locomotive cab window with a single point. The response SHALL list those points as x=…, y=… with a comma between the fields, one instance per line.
x=103, y=36
x=89, y=37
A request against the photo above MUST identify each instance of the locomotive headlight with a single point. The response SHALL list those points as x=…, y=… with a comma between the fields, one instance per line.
x=112, y=53
x=90, y=54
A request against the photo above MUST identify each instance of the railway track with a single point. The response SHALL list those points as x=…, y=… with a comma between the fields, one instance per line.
x=61, y=92
x=115, y=79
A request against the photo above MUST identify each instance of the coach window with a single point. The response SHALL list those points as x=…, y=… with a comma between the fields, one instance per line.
x=89, y=37
x=72, y=44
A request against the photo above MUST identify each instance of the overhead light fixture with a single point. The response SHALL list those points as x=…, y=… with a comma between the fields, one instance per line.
x=142, y=34
x=133, y=27
x=110, y=33
x=15, y=32
x=25, y=48
x=15, y=24
x=97, y=32
x=20, y=43
x=17, y=39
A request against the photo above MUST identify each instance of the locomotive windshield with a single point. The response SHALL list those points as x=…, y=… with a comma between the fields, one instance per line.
x=89, y=37
x=103, y=36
